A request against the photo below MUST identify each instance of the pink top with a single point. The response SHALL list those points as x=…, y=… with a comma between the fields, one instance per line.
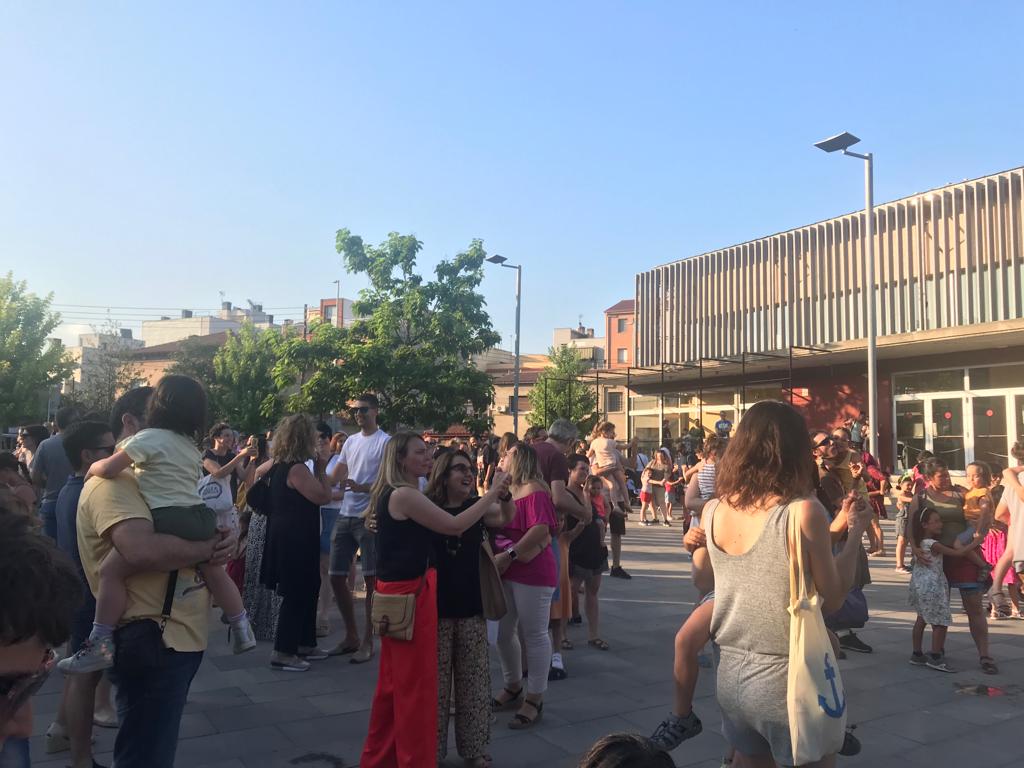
x=535, y=509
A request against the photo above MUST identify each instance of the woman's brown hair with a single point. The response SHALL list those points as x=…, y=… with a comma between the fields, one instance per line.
x=437, y=484
x=769, y=456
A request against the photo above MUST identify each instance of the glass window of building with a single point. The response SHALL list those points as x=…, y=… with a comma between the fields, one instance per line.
x=997, y=377
x=620, y=325
x=614, y=402
x=622, y=355
x=929, y=381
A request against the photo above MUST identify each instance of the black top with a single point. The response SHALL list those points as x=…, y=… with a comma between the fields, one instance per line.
x=458, y=569
x=586, y=550
x=223, y=461
x=291, y=552
x=405, y=549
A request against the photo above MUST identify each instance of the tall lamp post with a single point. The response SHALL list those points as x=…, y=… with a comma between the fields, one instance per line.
x=337, y=305
x=501, y=262
x=843, y=142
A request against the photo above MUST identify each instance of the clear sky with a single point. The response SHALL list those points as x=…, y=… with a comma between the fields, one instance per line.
x=153, y=157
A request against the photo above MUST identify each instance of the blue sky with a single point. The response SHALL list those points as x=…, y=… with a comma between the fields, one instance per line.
x=152, y=157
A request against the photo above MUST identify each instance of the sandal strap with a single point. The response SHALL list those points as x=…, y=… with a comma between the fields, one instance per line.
x=533, y=704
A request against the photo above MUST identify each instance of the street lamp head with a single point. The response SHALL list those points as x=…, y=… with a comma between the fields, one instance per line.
x=842, y=141
x=496, y=259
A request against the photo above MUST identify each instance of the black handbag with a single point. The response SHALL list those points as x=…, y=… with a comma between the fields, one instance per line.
x=257, y=498
x=139, y=644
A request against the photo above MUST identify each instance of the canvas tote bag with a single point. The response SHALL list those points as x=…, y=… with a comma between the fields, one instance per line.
x=815, y=698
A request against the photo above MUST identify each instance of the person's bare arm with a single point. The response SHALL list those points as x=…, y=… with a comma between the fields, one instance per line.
x=218, y=472
x=501, y=513
x=1009, y=481
x=567, y=504
x=692, y=499
x=315, y=487
x=338, y=474
x=534, y=541
x=409, y=504
x=958, y=549
x=833, y=575
x=110, y=467
x=146, y=550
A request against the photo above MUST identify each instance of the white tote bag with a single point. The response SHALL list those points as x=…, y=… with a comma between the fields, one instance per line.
x=815, y=696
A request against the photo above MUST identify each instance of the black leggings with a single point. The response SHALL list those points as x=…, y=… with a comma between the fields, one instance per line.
x=296, y=622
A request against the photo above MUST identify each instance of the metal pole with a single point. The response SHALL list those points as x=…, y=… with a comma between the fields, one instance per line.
x=515, y=385
x=869, y=230
x=661, y=409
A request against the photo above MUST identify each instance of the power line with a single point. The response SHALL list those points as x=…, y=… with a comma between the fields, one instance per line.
x=159, y=309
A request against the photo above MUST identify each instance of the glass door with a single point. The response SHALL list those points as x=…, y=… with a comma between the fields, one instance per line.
x=910, y=435
x=948, y=431
x=991, y=439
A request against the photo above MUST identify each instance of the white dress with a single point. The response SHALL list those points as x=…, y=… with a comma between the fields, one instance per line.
x=929, y=590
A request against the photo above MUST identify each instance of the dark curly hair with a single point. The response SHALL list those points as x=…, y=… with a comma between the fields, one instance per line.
x=39, y=587
x=625, y=750
x=770, y=455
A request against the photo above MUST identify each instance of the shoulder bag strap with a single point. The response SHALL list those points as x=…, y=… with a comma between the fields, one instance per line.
x=797, y=578
x=165, y=613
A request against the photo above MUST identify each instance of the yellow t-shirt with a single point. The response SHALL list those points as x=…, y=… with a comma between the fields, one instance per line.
x=167, y=465
x=102, y=505
x=972, y=505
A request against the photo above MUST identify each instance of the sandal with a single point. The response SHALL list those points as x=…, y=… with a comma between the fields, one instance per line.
x=598, y=643
x=988, y=665
x=567, y=645
x=520, y=721
x=497, y=704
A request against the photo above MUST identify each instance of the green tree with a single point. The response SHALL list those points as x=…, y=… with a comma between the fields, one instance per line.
x=195, y=358
x=310, y=369
x=412, y=342
x=30, y=362
x=244, y=392
x=561, y=393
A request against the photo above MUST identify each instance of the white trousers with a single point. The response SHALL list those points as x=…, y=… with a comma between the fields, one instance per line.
x=530, y=608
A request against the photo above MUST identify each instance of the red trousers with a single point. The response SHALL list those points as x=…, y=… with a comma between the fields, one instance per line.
x=403, y=719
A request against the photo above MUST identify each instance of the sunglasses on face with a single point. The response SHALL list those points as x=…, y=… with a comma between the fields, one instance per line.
x=107, y=449
x=824, y=441
x=16, y=690
x=360, y=409
x=463, y=468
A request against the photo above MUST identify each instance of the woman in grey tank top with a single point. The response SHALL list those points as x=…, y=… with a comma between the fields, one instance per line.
x=766, y=475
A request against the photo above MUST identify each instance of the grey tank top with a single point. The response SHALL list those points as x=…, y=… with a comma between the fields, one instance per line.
x=752, y=589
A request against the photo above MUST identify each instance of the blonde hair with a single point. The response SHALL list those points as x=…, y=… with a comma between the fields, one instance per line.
x=524, y=467
x=295, y=439
x=600, y=428
x=390, y=475
x=507, y=441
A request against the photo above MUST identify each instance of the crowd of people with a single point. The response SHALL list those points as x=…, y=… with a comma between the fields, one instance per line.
x=125, y=527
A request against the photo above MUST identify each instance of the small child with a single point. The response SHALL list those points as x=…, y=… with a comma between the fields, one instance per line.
x=977, y=503
x=929, y=590
x=167, y=465
x=607, y=462
x=646, y=496
x=713, y=449
x=1012, y=508
x=904, y=495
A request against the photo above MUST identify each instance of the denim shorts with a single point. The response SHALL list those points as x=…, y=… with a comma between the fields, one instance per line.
x=350, y=535
x=328, y=516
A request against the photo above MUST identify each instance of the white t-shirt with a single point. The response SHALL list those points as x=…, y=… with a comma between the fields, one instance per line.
x=362, y=455
x=331, y=464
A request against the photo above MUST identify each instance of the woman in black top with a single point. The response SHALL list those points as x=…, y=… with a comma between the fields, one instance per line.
x=403, y=719
x=588, y=557
x=291, y=554
x=462, y=629
x=221, y=461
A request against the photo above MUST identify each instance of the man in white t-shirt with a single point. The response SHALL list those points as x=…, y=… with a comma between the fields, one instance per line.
x=356, y=470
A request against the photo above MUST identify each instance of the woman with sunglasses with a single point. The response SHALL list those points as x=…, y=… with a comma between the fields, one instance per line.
x=462, y=629
x=404, y=715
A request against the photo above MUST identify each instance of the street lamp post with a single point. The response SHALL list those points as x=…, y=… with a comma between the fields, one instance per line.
x=843, y=142
x=337, y=305
x=501, y=262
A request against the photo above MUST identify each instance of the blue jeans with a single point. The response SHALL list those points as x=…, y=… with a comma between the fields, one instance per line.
x=48, y=516
x=149, y=707
x=14, y=754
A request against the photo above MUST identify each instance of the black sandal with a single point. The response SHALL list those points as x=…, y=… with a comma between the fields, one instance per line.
x=497, y=705
x=988, y=665
x=520, y=721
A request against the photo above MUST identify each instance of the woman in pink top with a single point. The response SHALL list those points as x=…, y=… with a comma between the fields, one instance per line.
x=529, y=575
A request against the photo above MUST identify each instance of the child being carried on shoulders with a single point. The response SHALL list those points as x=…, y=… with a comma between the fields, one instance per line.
x=167, y=465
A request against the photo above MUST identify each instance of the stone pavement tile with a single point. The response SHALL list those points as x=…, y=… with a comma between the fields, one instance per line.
x=529, y=748
x=878, y=747
x=294, y=684
x=922, y=726
x=232, y=763
x=340, y=703
x=328, y=755
x=192, y=724
x=591, y=708
x=224, y=746
x=983, y=711
x=265, y=713
x=215, y=699
x=577, y=738
x=967, y=749
x=315, y=732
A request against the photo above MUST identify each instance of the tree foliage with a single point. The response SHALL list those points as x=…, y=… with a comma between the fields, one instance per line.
x=411, y=344
x=561, y=393
x=195, y=358
x=29, y=362
x=244, y=391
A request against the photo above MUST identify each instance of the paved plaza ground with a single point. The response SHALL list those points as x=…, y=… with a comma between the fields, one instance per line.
x=243, y=715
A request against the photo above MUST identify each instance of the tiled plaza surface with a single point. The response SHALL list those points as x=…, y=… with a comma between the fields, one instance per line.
x=241, y=714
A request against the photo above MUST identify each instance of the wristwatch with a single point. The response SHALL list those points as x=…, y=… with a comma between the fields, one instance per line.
x=511, y=552
x=507, y=496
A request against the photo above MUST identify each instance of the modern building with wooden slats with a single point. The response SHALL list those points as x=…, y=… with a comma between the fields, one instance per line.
x=785, y=316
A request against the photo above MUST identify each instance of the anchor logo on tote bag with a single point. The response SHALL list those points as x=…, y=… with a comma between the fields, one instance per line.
x=840, y=705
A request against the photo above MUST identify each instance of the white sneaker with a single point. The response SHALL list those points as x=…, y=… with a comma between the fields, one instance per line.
x=242, y=637
x=94, y=655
